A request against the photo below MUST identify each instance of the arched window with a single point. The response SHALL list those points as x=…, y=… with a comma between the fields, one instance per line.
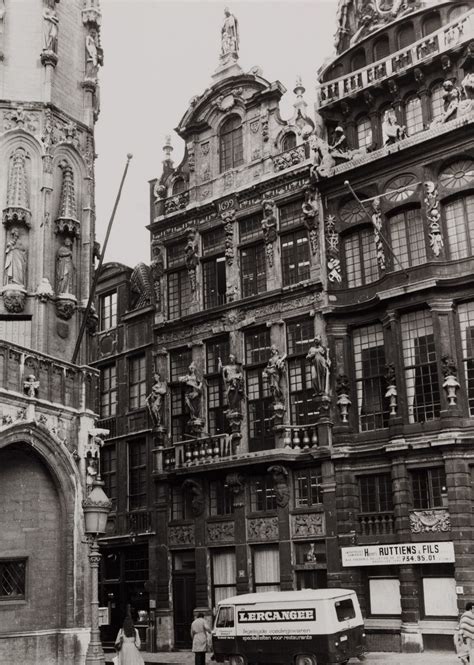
x=179, y=186
x=406, y=35
x=231, y=144
x=361, y=258
x=358, y=60
x=413, y=116
x=289, y=141
x=381, y=48
x=364, y=132
x=458, y=174
x=431, y=23
x=437, y=102
x=407, y=238
x=459, y=218
x=458, y=10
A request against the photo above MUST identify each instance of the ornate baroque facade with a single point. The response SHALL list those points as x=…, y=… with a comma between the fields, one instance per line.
x=312, y=289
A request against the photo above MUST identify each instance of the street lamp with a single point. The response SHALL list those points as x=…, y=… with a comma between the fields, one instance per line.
x=96, y=507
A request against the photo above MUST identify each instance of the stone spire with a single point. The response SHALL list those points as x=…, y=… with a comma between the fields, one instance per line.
x=300, y=116
x=67, y=221
x=18, y=206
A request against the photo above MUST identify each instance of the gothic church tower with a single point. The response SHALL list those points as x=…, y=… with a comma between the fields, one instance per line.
x=50, y=54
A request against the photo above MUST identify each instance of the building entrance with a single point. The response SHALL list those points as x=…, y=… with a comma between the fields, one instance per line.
x=184, y=597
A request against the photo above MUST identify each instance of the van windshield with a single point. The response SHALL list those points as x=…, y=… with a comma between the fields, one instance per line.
x=345, y=609
x=225, y=618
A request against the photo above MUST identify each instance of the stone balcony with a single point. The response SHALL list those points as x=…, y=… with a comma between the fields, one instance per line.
x=218, y=450
x=451, y=36
x=376, y=524
x=133, y=523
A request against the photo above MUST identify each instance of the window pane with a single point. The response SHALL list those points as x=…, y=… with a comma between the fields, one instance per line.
x=421, y=373
x=459, y=216
x=308, y=487
x=295, y=257
x=231, y=144
x=466, y=323
x=179, y=294
x=291, y=214
x=437, y=101
x=137, y=475
x=108, y=311
x=108, y=470
x=408, y=239
x=214, y=282
x=137, y=381
x=12, y=579
x=364, y=133
x=253, y=270
x=266, y=563
x=250, y=228
x=385, y=596
x=213, y=241
x=413, y=116
x=369, y=363
x=108, y=391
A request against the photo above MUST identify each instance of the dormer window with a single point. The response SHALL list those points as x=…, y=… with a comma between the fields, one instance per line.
x=179, y=186
x=289, y=141
x=231, y=144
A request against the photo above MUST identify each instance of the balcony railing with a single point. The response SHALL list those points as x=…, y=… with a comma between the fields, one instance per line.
x=376, y=524
x=300, y=437
x=136, y=522
x=111, y=425
x=58, y=381
x=455, y=33
x=193, y=452
x=291, y=157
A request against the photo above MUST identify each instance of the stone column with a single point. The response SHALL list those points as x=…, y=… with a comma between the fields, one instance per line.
x=458, y=481
x=410, y=635
x=444, y=333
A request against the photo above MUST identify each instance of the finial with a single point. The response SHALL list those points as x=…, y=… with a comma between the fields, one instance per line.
x=167, y=148
x=299, y=88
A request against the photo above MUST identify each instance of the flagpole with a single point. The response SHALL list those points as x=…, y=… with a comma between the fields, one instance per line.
x=387, y=244
x=99, y=266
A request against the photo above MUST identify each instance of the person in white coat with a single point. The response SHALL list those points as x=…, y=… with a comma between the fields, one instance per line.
x=199, y=632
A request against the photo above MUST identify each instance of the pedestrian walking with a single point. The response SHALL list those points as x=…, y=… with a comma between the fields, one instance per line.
x=128, y=644
x=466, y=627
x=199, y=632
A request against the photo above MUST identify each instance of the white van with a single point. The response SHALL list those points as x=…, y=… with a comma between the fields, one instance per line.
x=308, y=627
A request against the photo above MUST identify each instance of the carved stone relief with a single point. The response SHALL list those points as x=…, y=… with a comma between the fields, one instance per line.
x=181, y=535
x=308, y=525
x=433, y=216
x=430, y=521
x=221, y=532
x=332, y=250
x=262, y=528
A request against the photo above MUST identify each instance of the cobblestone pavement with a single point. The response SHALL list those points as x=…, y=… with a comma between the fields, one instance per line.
x=426, y=658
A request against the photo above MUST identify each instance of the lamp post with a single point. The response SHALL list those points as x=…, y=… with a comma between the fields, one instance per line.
x=96, y=507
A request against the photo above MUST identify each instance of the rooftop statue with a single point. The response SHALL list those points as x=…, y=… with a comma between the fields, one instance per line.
x=230, y=35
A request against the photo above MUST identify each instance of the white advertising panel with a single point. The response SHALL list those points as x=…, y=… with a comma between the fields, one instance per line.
x=398, y=554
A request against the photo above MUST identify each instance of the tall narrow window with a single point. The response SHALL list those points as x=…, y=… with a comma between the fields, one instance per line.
x=180, y=359
x=421, y=371
x=213, y=268
x=221, y=498
x=466, y=323
x=294, y=257
x=108, y=311
x=364, y=132
x=253, y=271
x=137, y=495
x=179, y=287
x=289, y=141
x=181, y=503
x=216, y=397
x=300, y=335
x=257, y=352
x=224, y=575
x=137, y=381
x=429, y=488
x=262, y=494
x=361, y=258
x=108, y=472
x=108, y=391
x=231, y=144
x=266, y=568
x=308, y=490
x=437, y=101
x=408, y=239
x=375, y=493
x=413, y=116
x=369, y=364
x=459, y=217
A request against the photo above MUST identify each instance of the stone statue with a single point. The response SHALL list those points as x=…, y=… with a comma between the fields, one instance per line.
x=65, y=268
x=233, y=381
x=229, y=35
x=93, y=55
x=156, y=400
x=31, y=386
x=50, y=30
x=318, y=357
x=392, y=131
x=273, y=374
x=194, y=389
x=451, y=101
x=15, y=260
x=339, y=147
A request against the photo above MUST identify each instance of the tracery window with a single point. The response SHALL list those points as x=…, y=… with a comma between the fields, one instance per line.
x=361, y=258
x=407, y=237
x=231, y=144
x=421, y=367
x=459, y=218
x=369, y=364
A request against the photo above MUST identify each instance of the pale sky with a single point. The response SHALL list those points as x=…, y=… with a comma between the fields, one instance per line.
x=160, y=54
